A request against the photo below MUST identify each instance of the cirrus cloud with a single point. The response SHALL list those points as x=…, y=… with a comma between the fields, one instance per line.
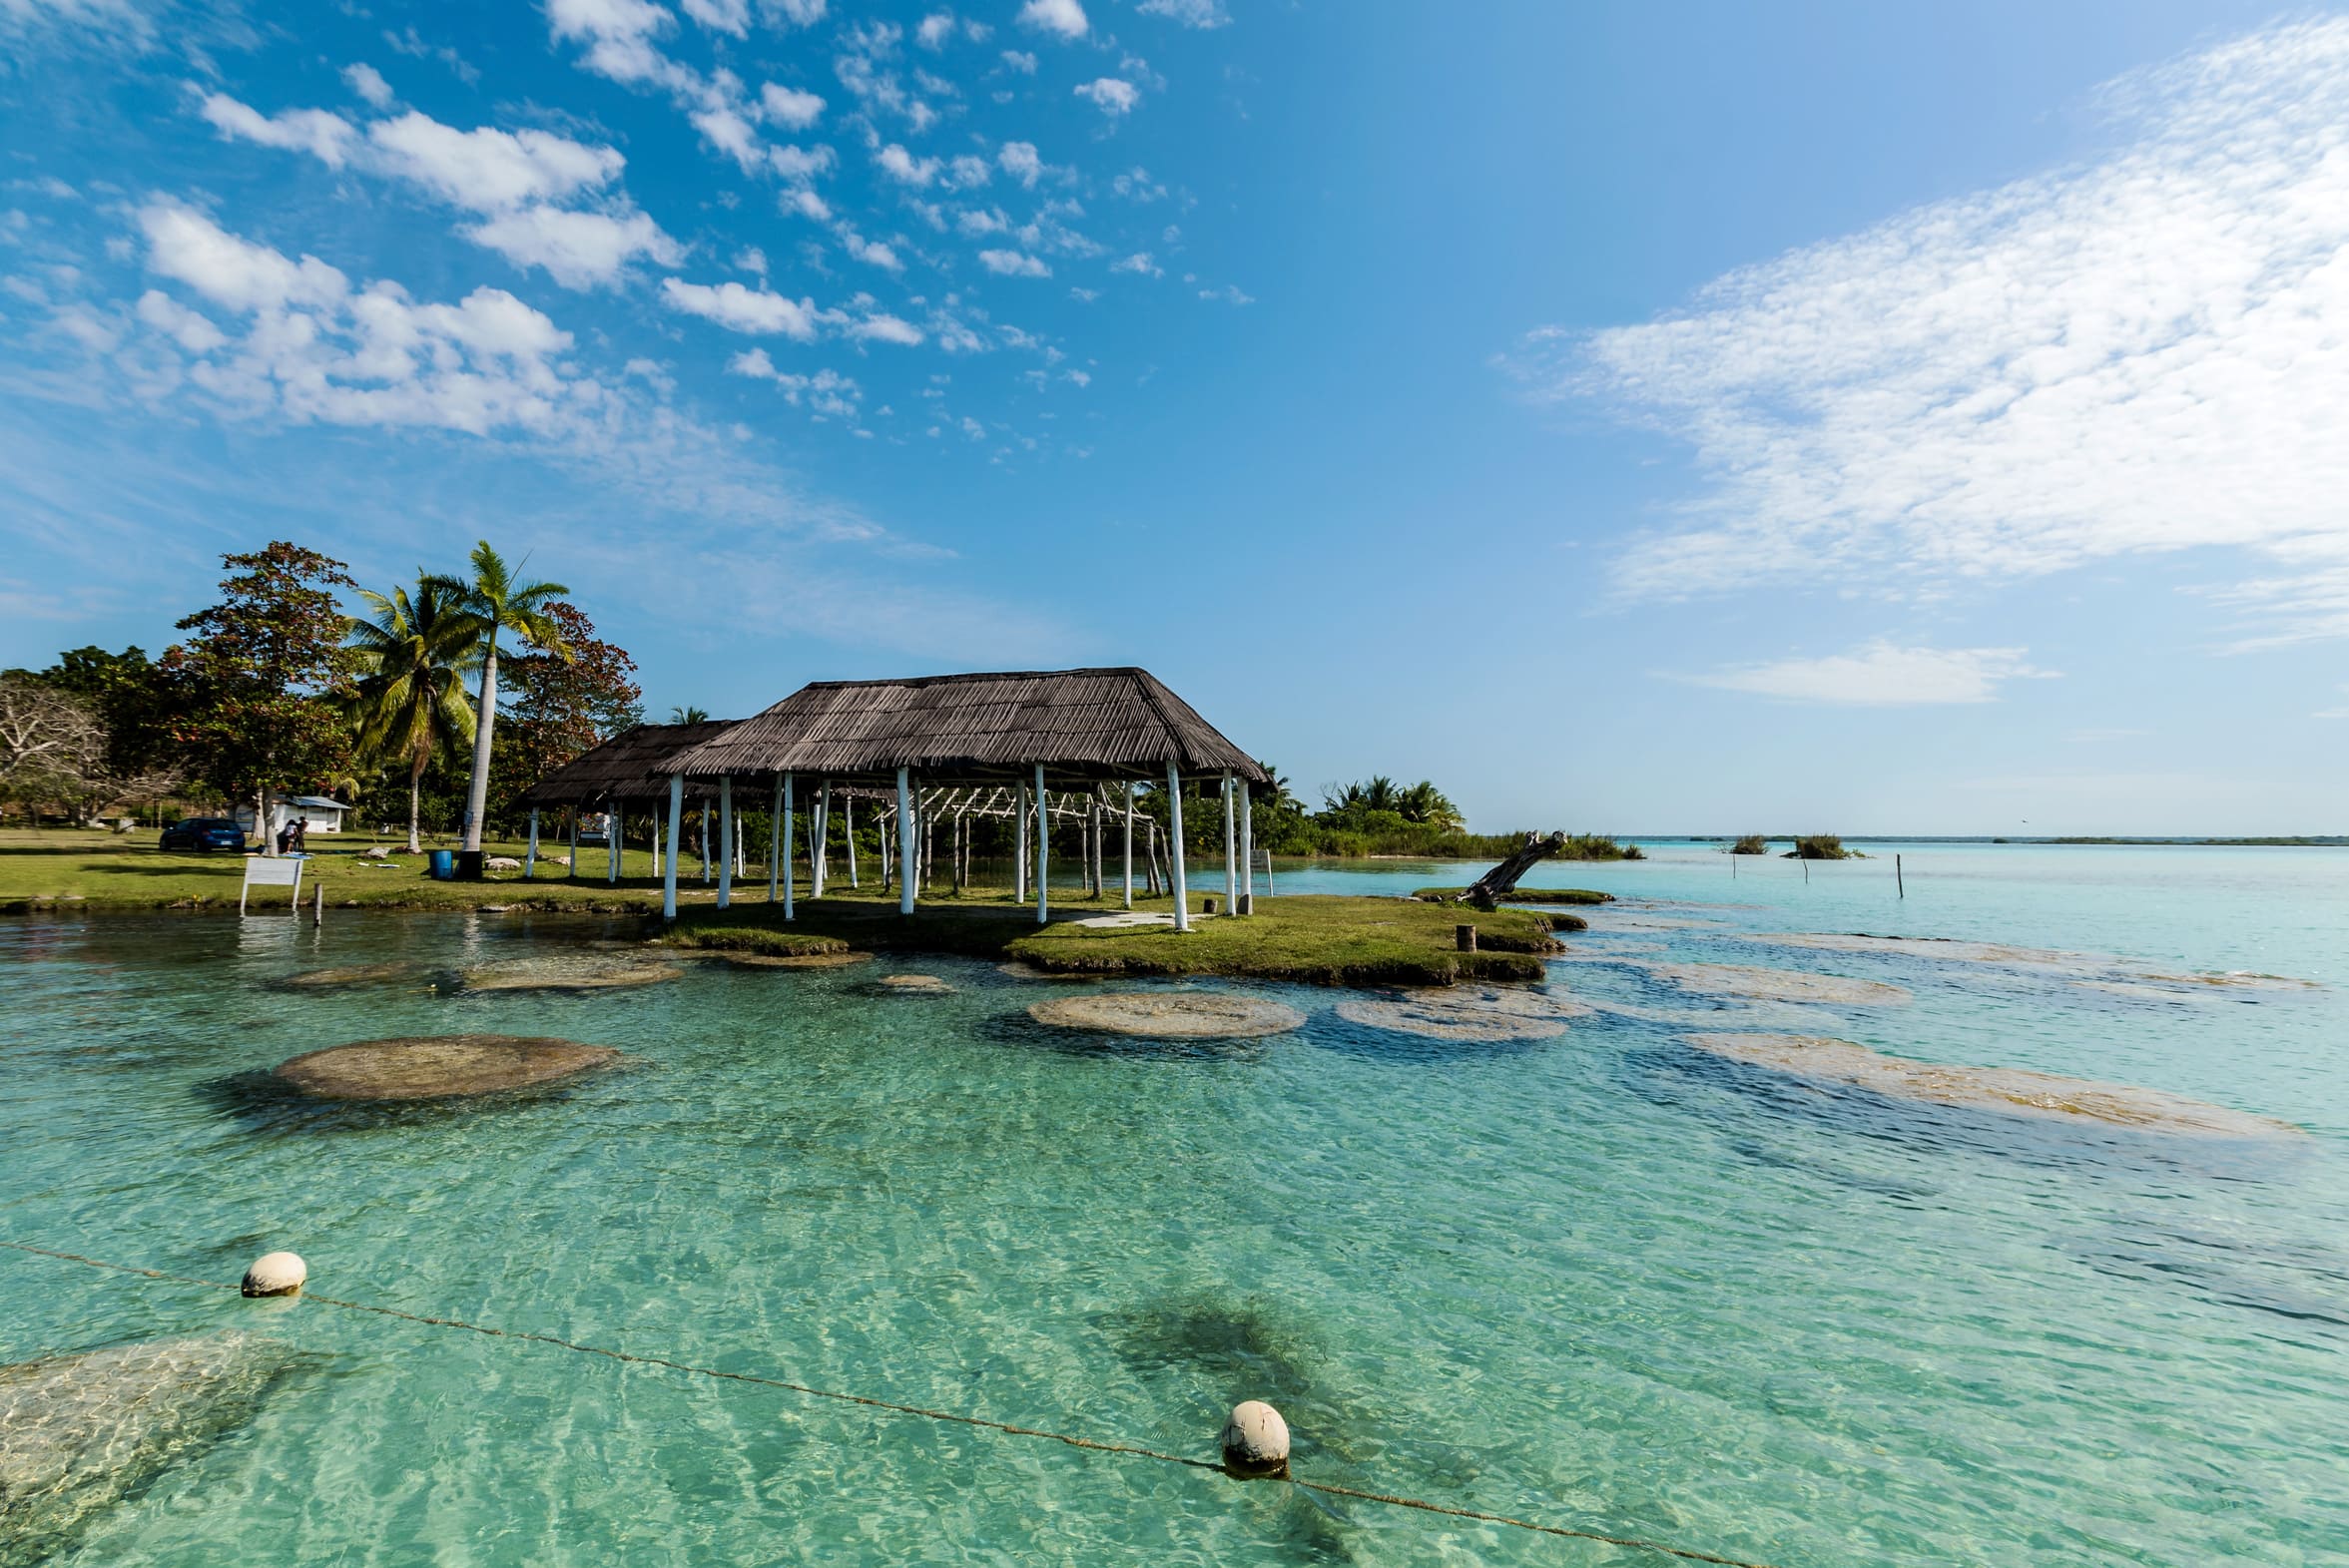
x=1881, y=674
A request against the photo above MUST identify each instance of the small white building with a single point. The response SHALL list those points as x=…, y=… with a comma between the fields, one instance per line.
x=325, y=814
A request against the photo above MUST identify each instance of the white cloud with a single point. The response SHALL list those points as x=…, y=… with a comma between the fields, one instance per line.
x=1111, y=96
x=800, y=162
x=1021, y=60
x=326, y=137
x=619, y=35
x=827, y=392
x=872, y=253
x=1191, y=13
x=489, y=170
x=1881, y=674
x=721, y=16
x=934, y=29
x=808, y=205
x=884, y=328
x=1135, y=185
x=750, y=258
x=804, y=13
x=1140, y=262
x=2146, y=352
x=578, y=249
x=314, y=349
x=1019, y=160
x=1013, y=264
x=369, y=82
x=740, y=309
x=901, y=164
x=1228, y=294
x=1066, y=17
x=788, y=106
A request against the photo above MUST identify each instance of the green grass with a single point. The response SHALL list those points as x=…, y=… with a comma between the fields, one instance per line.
x=1318, y=941
x=1524, y=895
x=1322, y=940
x=76, y=869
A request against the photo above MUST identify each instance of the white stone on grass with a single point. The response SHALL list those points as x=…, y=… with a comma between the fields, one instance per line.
x=275, y=1274
x=1255, y=1439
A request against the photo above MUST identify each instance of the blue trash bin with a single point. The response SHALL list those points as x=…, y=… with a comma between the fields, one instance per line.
x=442, y=865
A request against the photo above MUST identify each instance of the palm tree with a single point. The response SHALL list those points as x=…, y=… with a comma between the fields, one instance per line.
x=1423, y=803
x=414, y=655
x=493, y=603
x=1380, y=795
x=689, y=715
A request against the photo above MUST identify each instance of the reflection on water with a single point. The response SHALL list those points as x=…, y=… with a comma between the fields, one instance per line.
x=1602, y=1277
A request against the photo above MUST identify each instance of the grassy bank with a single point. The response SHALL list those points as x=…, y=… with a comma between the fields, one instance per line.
x=1323, y=940
x=1316, y=940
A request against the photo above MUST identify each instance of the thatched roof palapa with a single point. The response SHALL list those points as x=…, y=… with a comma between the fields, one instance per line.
x=1079, y=724
x=632, y=766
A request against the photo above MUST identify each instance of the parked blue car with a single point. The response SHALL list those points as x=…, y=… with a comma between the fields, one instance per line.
x=202, y=833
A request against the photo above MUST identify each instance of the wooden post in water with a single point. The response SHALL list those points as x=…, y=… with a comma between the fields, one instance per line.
x=786, y=848
x=1899, y=880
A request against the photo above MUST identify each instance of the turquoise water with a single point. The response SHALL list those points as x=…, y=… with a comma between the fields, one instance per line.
x=1605, y=1280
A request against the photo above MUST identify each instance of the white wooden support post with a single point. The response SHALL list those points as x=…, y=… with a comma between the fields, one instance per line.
x=531, y=855
x=1043, y=845
x=848, y=837
x=1020, y=849
x=1247, y=846
x=705, y=841
x=1174, y=844
x=1129, y=844
x=614, y=839
x=818, y=831
x=905, y=841
x=1231, y=871
x=786, y=848
x=572, y=870
x=725, y=840
x=676, y=827
x=777, y=860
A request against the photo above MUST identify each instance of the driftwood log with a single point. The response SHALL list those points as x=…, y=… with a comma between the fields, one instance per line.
x=1502, y=881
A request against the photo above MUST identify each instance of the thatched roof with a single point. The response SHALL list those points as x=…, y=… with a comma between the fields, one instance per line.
x=1081, y=723
x=632, y=766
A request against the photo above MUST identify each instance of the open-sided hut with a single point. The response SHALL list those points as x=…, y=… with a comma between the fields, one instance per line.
x=1070, y=729
x=629, y=769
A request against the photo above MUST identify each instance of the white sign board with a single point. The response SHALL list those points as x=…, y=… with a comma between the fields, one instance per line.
x=260, y=870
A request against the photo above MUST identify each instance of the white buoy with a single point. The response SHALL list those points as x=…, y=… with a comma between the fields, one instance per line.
x=282, y=1274
x=1256, y=1441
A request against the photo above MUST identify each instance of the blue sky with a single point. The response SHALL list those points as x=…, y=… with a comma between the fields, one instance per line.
x=1636, y=418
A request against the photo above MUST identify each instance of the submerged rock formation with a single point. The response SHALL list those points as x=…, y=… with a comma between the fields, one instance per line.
x=440, y=1066
x=2010, y=1088
x=1779, y=985
x=567, y=972
x=78, y=1432
x=1170, y=1015
x=1471, y=1013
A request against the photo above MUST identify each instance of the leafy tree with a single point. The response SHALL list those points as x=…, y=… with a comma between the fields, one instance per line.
x=561, y=706
x=260, y=688
x=1423, y=803
x=52, y=746
x=412, y=655
x=495, y=603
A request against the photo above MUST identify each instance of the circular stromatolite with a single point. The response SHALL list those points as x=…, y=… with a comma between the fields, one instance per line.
x=2009, y=1088
x=751, y=960
x=1170, y=1015
x=918, y=984
x=353, y=974
x=275, y=1274
x=1255, y=1439
x=439, y=1066
x=569, y=972
x=1467, y=1014
x=1779, y=985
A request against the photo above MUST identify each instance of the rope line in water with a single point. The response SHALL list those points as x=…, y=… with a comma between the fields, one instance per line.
x=1095, y=1445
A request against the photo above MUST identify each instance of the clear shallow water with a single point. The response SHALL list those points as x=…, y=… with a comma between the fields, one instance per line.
x=1606, y=1280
